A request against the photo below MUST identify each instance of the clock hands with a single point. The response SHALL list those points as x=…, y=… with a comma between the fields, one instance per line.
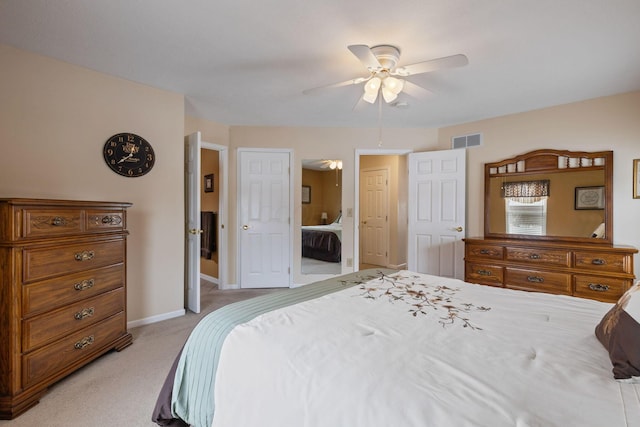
x=131, y=149
x=125, y=158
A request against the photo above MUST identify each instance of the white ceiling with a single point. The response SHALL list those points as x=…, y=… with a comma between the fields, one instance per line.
x=246, y=62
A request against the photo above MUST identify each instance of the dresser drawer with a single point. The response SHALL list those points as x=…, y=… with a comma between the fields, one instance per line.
x=600, y=288
x=555, y=257
x=51, y=222
x=54, y=293
x=50, y=360
x=47, y=327
x=41, y=263
x=99, y=221
x=542, y=281
x=482, y=252
x=484, y=274
x=612, y=262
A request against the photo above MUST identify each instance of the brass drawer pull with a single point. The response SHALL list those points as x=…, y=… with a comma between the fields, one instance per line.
x=598, y=287
x=85, y=284
x=57, y=221
x=84, y=255
x=485, y=251
x=534, y=256
x=535, y=279
x=86, y=312
x=84, y=342
x=484, y=272
x=598, y=261
x=111, y=219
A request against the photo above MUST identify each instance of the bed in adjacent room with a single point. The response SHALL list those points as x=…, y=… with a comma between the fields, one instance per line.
x=381, y=348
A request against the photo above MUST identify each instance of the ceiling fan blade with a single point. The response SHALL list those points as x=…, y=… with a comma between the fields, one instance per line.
x=340, y=84
x=452, y=61
x=364, y=54
x=415, y=90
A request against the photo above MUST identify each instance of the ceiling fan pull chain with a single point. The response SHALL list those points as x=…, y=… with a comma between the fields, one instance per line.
x=380, y=122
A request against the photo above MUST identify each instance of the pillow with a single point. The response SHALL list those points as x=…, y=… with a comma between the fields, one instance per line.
x=619, y=333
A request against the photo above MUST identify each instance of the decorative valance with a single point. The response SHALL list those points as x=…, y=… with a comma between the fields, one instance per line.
x=526, y=188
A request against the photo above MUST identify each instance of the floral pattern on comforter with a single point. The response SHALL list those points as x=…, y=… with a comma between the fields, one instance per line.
x=422, y=298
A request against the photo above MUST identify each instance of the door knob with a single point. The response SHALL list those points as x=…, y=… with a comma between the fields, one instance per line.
x=195, y=231
x=458, y=229
x=245, y=227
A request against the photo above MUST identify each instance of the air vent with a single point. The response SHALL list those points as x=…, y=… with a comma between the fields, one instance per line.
x=464, y=141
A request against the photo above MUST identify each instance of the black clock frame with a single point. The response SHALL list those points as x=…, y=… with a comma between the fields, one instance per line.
x=129, y=155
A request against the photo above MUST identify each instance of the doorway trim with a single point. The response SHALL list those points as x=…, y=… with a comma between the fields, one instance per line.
x=356, y=196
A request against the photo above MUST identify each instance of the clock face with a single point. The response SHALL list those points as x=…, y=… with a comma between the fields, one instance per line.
x=129, y=155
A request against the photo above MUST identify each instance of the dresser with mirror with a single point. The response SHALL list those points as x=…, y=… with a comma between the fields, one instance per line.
x=548, y=227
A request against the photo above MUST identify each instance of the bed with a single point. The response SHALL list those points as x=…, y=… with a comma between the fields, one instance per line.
x=322, y=242
x=383, y=348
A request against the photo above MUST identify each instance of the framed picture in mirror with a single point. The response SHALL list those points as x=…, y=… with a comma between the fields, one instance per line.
x=306, y=194
x=589, y=198
x=636, y=179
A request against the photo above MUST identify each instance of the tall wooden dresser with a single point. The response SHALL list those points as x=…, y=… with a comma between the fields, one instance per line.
x=62, y=292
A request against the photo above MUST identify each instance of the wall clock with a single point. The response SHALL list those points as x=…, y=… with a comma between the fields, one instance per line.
x=129, y=155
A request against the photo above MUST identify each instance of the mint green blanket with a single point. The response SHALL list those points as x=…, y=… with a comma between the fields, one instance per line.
x=194, y=381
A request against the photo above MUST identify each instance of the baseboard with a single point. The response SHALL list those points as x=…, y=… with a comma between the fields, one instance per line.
x=402, y=266
x=154, y=319
x=231, y=286
x=210, y=279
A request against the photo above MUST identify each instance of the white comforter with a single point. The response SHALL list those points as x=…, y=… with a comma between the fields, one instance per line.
x=369, y=356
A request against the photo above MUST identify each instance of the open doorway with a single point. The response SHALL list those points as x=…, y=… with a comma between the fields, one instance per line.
x=209, y=218
x=201, y=179
x=381, y=209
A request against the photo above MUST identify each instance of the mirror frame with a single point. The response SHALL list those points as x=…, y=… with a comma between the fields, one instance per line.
x=553, y=161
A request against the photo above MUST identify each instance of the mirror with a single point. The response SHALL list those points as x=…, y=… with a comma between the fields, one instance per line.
x=321, y=217
x=550, y=195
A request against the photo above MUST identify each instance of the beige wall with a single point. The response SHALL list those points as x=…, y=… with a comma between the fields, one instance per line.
x=54, y=121
x=609, y=123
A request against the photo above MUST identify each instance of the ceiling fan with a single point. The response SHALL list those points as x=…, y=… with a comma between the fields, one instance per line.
x=386, y=77
x=322, y=164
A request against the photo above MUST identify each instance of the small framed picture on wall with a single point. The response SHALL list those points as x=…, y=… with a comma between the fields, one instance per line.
x=208, y=183
x=636, y=179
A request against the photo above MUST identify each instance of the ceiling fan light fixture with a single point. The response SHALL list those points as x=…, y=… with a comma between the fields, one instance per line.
x=371, y=90
x=393, y=84
x=388, y=95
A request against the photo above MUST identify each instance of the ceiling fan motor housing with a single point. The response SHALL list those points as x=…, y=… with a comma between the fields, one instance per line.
x=387, y=56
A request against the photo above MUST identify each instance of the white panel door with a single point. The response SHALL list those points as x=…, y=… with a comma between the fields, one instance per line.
x=192, y=179
x=374, y=216
x=264, y=212
x=437, y=212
